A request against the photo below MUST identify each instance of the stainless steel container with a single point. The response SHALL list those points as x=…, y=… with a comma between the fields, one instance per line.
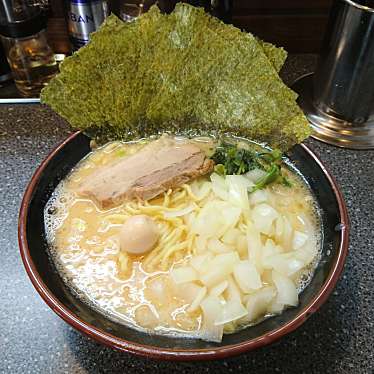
x=338, y=99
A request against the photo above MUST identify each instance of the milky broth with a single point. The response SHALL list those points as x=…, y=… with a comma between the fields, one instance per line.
x=84, y=245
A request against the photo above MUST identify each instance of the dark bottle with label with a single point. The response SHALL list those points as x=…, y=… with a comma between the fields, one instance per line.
x=84, y=17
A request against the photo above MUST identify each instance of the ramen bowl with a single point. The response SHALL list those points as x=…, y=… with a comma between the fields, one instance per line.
x=80, y=315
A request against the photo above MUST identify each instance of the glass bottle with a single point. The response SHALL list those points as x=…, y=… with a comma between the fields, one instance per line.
x=32, y=62
x=31, y=59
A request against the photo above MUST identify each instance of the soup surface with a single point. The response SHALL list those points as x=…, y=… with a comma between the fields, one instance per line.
x=225, y=257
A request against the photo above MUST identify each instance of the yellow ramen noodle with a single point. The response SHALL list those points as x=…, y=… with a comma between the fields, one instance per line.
x=146, y=291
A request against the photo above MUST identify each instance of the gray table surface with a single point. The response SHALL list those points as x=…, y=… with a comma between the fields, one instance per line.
x=337, y=339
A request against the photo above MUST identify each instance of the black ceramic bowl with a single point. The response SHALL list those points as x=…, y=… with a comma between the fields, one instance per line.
x=57, y=295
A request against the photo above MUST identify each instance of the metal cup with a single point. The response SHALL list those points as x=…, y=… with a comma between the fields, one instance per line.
x=338, y=99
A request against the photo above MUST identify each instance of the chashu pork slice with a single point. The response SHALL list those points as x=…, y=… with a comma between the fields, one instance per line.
x=160, y=165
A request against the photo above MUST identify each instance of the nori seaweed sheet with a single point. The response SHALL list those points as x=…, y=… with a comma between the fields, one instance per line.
x=186, y=72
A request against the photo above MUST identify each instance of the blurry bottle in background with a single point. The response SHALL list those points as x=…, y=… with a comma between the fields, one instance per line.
x=22, y=29
x=128, y=10
x=84, y=17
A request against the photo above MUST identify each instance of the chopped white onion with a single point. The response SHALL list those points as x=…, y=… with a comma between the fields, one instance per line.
x=257, y=303
x=215, y=218
x=198, y=299
x=203, y=191
x=242, y=246
x=284, y=263
x=219, y=289
x=231, y=311
x=201, y=243
x=216, y=246
x=232, y=291
x=218, y=180
x=211, y=333
x=275, y=307
x=230, y=237
x=201, y=262
x=238, y=190
x=247, y=276
x=279, y=228
x=287, y=233
x=272, y=254
x=269, y=249
x=195, y=186
x=255, y=246
x=183, y=274
x=258, y=197
x=307, y=253
x=299, y=239
x=188, y=291
x=255, y=174
x=230, y=214
x=286, y=289
x=263, y=216
x=213, y=276
x=219, y=268
x=219, y=186
x=211, y=307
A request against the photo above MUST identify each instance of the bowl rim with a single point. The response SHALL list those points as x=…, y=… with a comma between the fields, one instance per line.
x=169, y=353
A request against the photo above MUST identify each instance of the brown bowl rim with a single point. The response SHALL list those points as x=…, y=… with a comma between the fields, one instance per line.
x=167, y=353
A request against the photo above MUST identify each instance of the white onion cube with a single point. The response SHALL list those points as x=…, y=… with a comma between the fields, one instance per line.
x=284, y=263
x=258, y=302
x=183, y=274
x=247, y=276
x=231, y=311
x=232, y=291
x=211, y=307
x=219, y=288
x=263, y=216
x=201, y=262
x=216, y=246
x=219, y=268
x=231, y=236
x=299, y=239
x=198, y=299
x=286, y=289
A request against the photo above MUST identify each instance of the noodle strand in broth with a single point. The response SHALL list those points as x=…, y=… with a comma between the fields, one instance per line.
x=222, y=255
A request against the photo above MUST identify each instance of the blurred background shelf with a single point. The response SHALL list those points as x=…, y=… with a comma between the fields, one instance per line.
x=296, y=25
